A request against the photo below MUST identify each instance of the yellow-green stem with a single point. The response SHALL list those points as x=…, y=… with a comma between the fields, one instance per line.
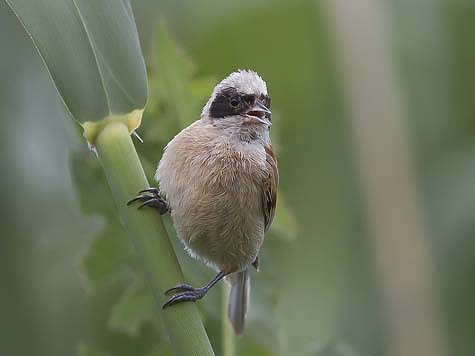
x=154, y=250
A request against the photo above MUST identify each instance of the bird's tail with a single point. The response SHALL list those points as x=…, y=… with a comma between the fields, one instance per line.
x=238, y=299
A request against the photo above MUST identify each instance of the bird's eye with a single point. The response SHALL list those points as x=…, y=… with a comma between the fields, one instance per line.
x=234, y=102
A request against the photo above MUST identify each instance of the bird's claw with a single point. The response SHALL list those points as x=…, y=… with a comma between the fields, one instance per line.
x=180, y=288
x=154, y=191
x=189, y=294
x=151, y=197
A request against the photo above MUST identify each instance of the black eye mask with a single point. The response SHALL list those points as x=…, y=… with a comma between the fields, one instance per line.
x=229, y=102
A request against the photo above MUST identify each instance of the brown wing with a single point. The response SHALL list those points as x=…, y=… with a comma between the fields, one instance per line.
x=270, y=187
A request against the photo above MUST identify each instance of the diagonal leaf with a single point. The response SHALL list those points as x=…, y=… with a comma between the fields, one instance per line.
x=109, y=257
x=92, y=52
x=133, y=309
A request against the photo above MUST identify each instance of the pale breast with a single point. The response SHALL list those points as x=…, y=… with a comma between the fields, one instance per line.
x=213, y=186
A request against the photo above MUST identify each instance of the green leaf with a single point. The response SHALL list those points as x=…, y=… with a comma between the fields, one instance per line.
x=108, y=257
x=92, y=52
x=176, y=95
x=133, y=309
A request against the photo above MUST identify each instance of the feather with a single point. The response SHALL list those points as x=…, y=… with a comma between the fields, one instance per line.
x=238, y=300
x=271, y=182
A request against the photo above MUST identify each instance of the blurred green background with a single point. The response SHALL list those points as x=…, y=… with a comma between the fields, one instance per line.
x=67, y=268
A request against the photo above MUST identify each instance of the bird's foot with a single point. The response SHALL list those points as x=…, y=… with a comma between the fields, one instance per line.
x=151, y=197
x=184, y=293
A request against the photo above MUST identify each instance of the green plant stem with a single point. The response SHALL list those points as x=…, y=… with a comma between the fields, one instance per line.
x=154, y=250
x=229, y=340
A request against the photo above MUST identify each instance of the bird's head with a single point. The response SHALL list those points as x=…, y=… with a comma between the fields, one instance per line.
x=240, y=99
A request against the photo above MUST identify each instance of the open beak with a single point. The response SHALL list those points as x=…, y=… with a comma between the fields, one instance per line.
x=261, y=113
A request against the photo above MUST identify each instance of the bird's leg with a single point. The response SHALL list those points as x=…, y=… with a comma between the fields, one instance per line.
x=151, y=197
x=186, y=293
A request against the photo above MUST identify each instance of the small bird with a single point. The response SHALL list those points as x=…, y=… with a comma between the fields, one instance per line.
x=218, y=178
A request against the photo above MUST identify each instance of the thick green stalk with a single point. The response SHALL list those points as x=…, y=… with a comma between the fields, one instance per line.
x=154, y=250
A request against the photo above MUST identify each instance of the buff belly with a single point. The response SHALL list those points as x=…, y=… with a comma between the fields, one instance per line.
x=216, y=206
x=214, y=189
x=225, y=228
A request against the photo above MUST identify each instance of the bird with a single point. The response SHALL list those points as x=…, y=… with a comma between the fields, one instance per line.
x=218, y=179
